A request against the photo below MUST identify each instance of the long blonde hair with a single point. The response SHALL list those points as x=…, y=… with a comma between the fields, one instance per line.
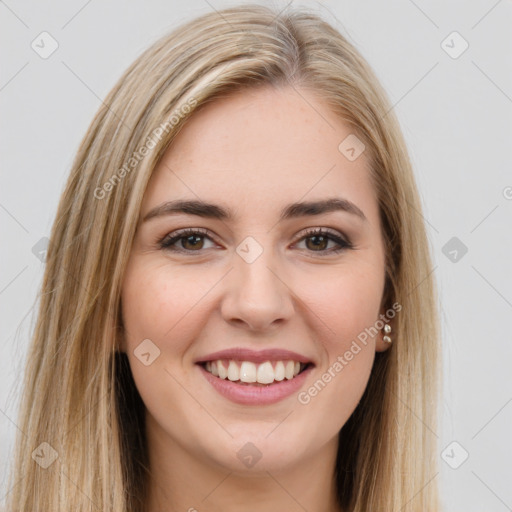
x=78, y=393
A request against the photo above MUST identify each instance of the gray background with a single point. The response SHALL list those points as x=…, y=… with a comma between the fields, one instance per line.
x=456, y=115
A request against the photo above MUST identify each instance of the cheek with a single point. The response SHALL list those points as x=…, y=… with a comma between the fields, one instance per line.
x=347, y=306
x=166, y=307
x=158, y=301
x=347, y=302
x=153, y=310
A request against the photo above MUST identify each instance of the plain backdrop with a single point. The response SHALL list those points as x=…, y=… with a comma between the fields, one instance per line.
x=447, y=69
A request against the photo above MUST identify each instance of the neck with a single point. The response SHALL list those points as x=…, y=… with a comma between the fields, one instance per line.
x=179, y=480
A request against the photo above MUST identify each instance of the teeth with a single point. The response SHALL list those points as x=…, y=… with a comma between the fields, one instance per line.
x=265, y=373
x=233, y=371
x=223, y=372
x=288, y=370
x=279, y=371
x=249, y=372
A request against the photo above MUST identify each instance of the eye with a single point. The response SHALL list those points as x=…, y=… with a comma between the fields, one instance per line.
x=192, y=240
x=320, y=238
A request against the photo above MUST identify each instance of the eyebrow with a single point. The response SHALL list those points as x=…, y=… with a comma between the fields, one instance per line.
x=291, y=211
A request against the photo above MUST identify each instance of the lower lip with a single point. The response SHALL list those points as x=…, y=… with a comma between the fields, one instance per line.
x=256, y=395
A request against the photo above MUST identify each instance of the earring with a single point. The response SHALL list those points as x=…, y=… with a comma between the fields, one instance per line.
x=387, y=330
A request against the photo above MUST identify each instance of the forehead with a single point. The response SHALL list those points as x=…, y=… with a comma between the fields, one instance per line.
x=262, y=148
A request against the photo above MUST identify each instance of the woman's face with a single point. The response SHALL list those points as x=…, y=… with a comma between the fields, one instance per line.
x=255, y=289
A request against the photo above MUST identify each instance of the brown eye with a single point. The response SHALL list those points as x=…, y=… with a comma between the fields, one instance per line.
x=191, y=240
x=317, y=240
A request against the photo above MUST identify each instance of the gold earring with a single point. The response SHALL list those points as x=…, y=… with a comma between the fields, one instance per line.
x=387, y=330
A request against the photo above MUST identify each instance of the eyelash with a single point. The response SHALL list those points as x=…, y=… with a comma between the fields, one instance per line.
x=167, y=242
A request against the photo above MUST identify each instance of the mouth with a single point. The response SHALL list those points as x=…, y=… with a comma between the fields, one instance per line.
x=249, y=373
x=253, y=378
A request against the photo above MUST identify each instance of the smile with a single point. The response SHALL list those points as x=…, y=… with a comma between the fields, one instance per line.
x=250, y=373
x=255, y=377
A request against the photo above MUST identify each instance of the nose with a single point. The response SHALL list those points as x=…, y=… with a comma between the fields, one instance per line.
x=257, y=295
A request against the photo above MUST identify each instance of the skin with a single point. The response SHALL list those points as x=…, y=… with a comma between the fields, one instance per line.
x=254, y=152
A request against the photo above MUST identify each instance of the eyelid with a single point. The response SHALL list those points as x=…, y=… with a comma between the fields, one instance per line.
x=181, y=233
x=343, y=241
x=326, y=230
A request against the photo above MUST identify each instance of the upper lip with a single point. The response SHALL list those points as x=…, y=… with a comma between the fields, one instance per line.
x=255, y=356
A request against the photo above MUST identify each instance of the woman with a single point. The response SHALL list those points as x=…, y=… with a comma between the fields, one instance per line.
x=199, y=344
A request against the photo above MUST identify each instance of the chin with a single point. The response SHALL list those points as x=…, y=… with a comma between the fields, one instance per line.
x=261, y=453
